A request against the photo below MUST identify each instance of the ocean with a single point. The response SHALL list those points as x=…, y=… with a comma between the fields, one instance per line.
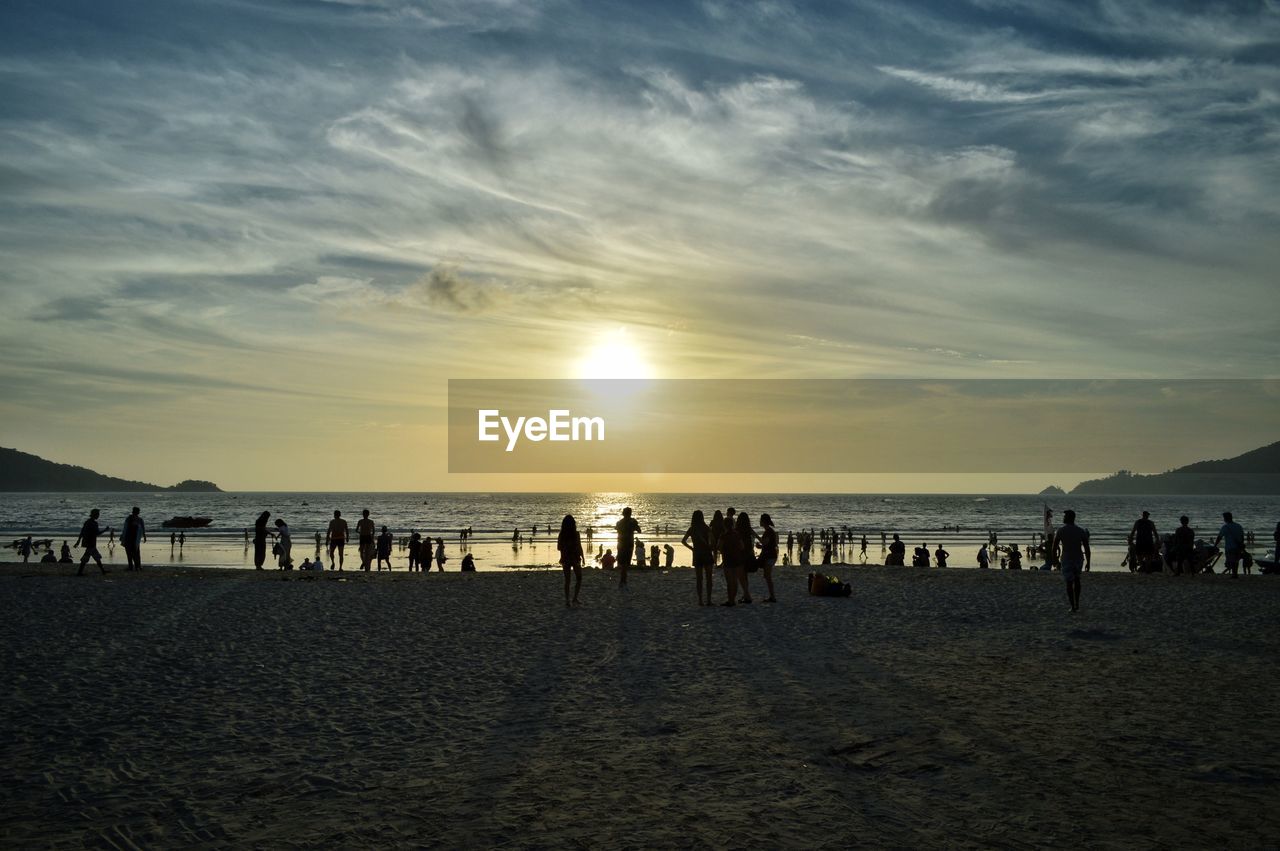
x=919, y=519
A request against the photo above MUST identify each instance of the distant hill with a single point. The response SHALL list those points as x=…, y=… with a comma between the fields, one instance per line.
x=20, y=471
x=1253, y=473
x=1053, y=490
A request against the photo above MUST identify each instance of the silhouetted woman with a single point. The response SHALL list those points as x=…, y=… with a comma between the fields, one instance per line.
x=716, y=529
x=731, y=562
x=571, y=556
x=260, y=539
x=704, y=560
x=747, y=564
x=768, y=554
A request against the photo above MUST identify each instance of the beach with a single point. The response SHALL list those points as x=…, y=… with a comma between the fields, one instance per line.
x=188, y=707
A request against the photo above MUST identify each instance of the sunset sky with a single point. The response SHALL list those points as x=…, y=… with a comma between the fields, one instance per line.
x=251, y=241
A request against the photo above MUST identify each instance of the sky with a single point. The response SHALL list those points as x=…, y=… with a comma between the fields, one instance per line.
x=251, y=241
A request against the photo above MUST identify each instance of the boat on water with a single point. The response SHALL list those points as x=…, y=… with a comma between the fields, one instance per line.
x=187, y=522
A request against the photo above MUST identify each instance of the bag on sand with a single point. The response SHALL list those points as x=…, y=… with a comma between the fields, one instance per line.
x=821, y=585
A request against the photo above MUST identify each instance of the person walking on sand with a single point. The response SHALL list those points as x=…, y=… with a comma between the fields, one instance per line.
x=441, y=558
x=571, y=557
x=25, y=548
x=132, y=537
x=284, y=544
x=704, y=560
x=88, y=538
x=1231, y=536
x=1071, y=551
x=336, y=539
x=863, y=554
x=627, y=528
x=260, y=539
x=768, y=554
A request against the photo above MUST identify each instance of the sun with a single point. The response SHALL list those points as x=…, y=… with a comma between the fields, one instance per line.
x=614, y=355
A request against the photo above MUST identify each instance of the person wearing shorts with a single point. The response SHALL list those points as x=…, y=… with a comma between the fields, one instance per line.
x=336, y=538
x=1142, y=542
x=368, y=549
x=627, y=528
x=704, y=558
x=1231, y=536
x=1071, y=551
x=89, y=533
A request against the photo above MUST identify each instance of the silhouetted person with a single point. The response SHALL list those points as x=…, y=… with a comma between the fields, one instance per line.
x=607, y=561
x=653, y=556
x=182, y=540
x=698, y=539
x=897, y=552
x=747, y=564
x=732, y=562
x=25, y=548
x=1231, y=536
x=441, y=558
x=1142, y=542
x=88, y=539
x=415, y=551
x=64, y=557
x=1071, y=551
x=384, y=548
x=1184, y=546
x=284, y=543
x=863, y=554
x=984, y=557
x=627, y=528
x=336, y=538
x=260, y=539
x=468, y=563
x=132, y=537
x=940, y=556
x=768, y=554
x=569, y=543
x=365, y=530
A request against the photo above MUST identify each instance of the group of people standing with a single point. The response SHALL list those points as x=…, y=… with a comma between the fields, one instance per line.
x=729, y=540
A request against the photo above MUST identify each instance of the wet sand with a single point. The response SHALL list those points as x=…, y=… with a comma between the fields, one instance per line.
x=223, y=708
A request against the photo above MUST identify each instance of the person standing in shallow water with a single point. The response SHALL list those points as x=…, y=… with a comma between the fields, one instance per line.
x=704, y=559
x=1071, y=552
x=571, y=557
x=627, y=528
x=132, y=537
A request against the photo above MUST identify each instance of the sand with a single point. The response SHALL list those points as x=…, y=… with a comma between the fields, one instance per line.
x=219, y=708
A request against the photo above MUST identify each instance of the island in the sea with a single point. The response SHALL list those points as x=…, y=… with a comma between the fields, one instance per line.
x=21, y=471
x=1254, y=473
x=1052, y=490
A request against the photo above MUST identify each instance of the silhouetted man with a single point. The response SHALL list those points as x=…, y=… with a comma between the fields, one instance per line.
x=1231, y=536
x=627, y=528
x=88, y=539
x=1071, y=551
x=336, y=538
x=135, y=532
